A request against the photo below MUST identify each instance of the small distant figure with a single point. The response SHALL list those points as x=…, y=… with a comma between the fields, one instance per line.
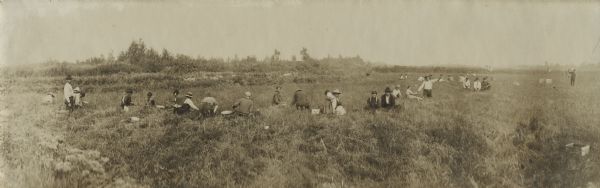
x=476, y=84
x=48, y=98
x=177, y=101
x=300, y=100
x=126, y=101
x=336, y=103
x=572, y=75
x=427, y=87
x=397, y=93
x=209, y=106
x=387, y=100
x=68, y=93
x=277, y=96
x=485, y=84
x=244, y=106
x=77, y=95
x=411, y=94
x=187, y=106
x=373, y=102
x=328, y=106
x=150, y=99
x=467, y=83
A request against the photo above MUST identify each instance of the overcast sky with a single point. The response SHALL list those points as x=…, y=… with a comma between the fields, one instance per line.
x=405, y=33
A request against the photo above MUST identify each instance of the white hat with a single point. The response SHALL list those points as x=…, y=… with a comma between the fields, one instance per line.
x=189, y=94
x=336, y=91
x=248, y=94
x=77, y=90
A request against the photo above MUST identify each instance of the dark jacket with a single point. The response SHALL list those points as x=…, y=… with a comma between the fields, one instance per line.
x=300, y=99
x=388, y=104
x=373, y=102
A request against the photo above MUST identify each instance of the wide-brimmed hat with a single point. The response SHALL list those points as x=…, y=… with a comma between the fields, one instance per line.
x=388, y=90
x=69, y=77
x=248, y=94
x=373, y=92
x=76, y=90
x=336, y=91
x=189, y=95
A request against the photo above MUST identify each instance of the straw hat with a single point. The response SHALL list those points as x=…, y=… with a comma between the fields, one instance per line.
x=76, y=90
x=373, y=92
x=336, y=91
x=248, y=94
x=398, y=86
x=189, y=95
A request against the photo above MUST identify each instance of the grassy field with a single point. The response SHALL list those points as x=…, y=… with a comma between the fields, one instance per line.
x=511, y=136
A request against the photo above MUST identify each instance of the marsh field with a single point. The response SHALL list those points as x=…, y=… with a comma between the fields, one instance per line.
x=513, y=135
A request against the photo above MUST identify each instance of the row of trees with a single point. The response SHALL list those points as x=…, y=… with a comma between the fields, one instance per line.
x=150, y=60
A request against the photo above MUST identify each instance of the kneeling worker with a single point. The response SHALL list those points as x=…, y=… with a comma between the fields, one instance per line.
x=387, y=100
x=126, y=101
x=187, y=104
x=208, y=106
x=373, y=102
x=244, y=106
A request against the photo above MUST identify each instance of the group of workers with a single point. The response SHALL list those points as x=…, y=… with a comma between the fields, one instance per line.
x=245, y=106
x=73, y=97
x=300, y=101
x=478, y=85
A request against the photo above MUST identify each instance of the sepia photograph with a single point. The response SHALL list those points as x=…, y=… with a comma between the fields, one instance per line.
x=299, y=93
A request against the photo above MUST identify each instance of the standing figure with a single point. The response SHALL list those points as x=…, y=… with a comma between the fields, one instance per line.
x=427, y=87
x=277, y=96
x=68, y=93
x=572, y=76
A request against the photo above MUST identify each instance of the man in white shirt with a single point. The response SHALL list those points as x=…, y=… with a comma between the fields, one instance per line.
x=476, y=85
x=467, y=83
x=427, y=87
x=397, y=93
x=188, y=101
x=68, y=93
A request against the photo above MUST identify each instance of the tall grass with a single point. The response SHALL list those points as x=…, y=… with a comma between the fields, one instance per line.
x=507, y=137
